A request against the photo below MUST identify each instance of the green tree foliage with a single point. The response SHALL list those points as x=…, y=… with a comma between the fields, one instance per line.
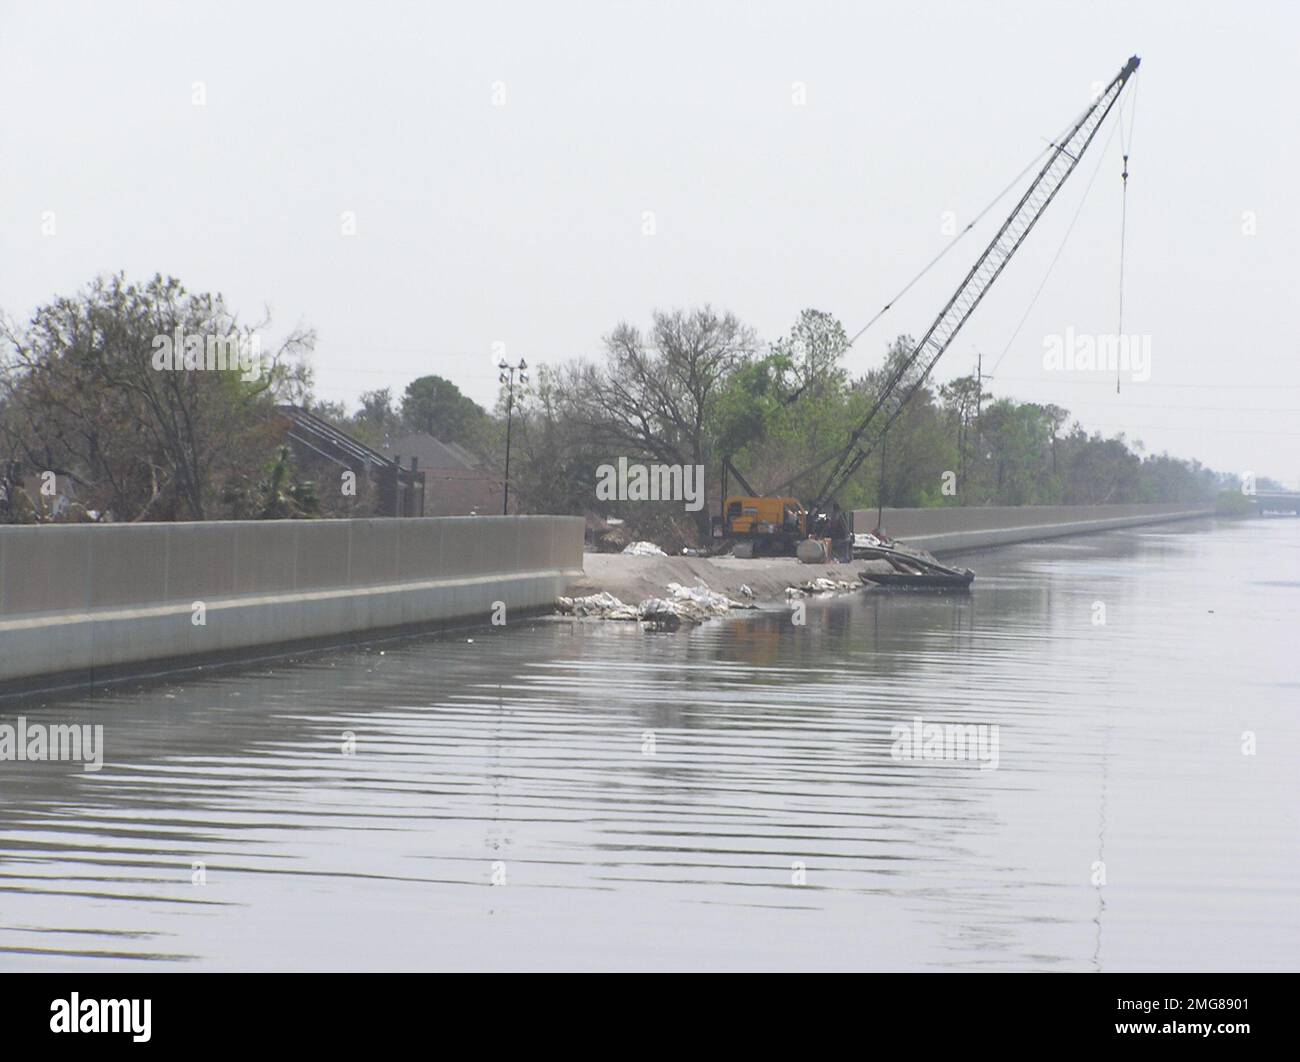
x=436, y=406
x=750, y=403
x=658, y=397
x=1017, y=436
x=81, y=393
x=812, y=351
x=277, y=495
x=377, y=423
x=697, y=389
x=553, y=460
x=785, y=411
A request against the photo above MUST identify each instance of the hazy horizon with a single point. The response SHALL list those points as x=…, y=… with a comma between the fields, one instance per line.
x=500, y=164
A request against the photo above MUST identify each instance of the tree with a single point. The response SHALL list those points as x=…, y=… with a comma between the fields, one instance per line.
x=278, y=495
x=92, y=385
x=777, y=410
x=1018, y=435
x=436, y=406
x=659, y=399
x=783, y=413
x=750, y=403
x=376, y=423
x=814, y=348
x=961, y=398
x=695, y=390
x=553, y=461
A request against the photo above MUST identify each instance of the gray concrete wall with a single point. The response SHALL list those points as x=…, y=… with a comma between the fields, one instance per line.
x=957, y=529
x=78, y=597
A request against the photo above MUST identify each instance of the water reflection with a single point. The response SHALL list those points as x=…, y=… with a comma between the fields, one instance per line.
x=719, y=797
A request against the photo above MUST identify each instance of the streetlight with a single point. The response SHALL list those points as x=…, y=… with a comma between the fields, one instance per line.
x=507, y=376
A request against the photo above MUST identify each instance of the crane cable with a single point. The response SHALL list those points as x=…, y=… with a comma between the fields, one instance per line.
x=1057, y=257
x=949, y=246
x=1126, y=144
x=1051, y=146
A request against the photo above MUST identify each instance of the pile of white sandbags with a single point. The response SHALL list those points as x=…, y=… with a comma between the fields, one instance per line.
x=821, y=586
x=602, y=606
x=685, y=604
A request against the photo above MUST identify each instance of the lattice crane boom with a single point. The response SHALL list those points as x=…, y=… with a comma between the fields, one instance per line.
x=1063, y=159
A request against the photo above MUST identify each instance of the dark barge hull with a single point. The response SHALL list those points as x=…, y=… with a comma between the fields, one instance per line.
x=912, y=572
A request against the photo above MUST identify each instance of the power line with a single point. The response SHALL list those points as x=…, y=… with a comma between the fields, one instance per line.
x=949, y=246
x=1064, y=240
x=1200, y=409
x=1204, y=429
x=1152, y=383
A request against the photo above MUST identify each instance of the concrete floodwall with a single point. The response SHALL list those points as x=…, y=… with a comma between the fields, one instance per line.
x=74, y=598
x=957, y=529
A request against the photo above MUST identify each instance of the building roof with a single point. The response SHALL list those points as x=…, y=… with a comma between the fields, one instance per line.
x=470, y=460
x=430, y=452
x=329, y=442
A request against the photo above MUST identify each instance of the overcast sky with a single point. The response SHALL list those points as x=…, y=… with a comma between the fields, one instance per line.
x=500, y=160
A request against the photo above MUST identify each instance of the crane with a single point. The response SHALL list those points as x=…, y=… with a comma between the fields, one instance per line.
x=1063, y=157
x=1061, y=162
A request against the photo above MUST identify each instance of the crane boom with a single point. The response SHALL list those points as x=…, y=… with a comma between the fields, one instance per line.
x=1064, y=158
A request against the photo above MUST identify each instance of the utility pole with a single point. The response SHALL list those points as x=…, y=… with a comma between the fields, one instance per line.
x=880, y=491
x=507, y=376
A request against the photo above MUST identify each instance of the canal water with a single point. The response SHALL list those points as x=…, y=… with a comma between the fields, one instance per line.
x=578, y=794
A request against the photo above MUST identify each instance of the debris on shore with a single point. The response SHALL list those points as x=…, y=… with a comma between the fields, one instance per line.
x=821, y=585
x=685, y=604
x=643, y=549
x=603, y=606
x=763, y=580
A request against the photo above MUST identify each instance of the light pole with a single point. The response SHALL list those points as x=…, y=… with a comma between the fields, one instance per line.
x=507, y=376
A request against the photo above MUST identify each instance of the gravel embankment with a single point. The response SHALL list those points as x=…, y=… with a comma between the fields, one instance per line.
x=633, y=579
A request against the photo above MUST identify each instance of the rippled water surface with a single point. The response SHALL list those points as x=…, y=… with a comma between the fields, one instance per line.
x=652, y=800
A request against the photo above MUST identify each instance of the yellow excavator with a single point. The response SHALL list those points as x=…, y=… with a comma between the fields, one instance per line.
x=757, y=524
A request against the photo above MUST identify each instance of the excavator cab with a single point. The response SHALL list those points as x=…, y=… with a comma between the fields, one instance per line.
x=762, y=526
x=757, y=523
